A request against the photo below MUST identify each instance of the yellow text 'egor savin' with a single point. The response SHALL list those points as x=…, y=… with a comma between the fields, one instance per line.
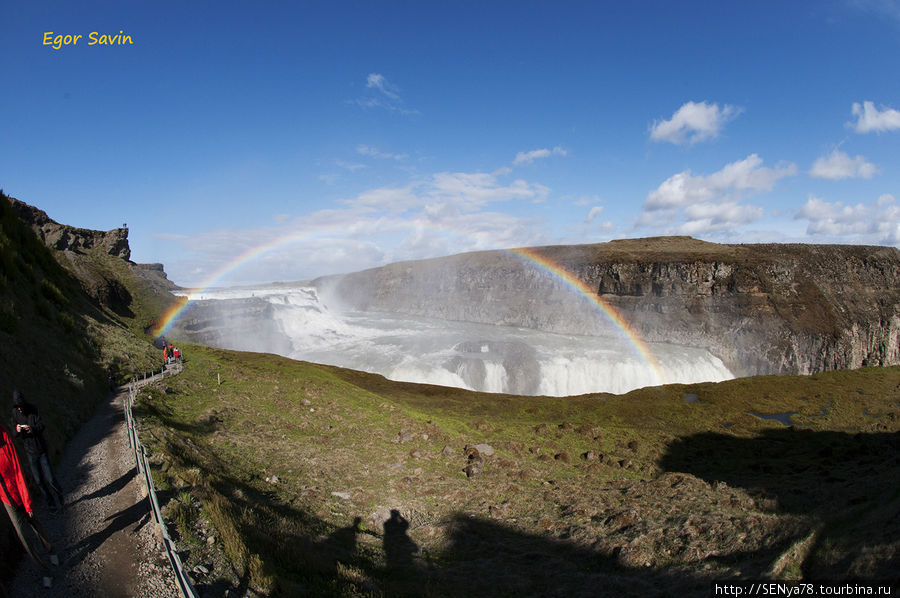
x=94, y=38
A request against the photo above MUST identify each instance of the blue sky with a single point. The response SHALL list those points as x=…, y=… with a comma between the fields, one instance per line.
x=371, y=132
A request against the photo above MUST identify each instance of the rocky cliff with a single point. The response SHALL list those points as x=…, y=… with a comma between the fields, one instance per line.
x=76, y=244
x=64, y=237
x=762, y=309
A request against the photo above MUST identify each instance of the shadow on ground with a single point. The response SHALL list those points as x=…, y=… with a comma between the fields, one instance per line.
x=136, y=515
x=840, y=491
x=848, y=485
x=309, y=557
x=111, y=488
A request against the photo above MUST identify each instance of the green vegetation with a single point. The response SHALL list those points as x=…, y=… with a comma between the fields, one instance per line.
x=323, y=481
x=640, y=492
x=61, y=334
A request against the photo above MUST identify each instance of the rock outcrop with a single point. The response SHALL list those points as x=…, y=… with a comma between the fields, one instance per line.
x=64, y=237
x=155, y=276
x=762, y=309
x=76, y=243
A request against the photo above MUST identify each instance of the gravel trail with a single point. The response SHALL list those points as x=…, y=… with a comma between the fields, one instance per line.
x=106, y=538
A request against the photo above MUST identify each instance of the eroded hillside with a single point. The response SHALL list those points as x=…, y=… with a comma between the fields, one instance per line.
x=72, y=314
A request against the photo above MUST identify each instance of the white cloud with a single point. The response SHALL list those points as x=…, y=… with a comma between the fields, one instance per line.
x=366, y=150
x=377, y=81
x=607, y=226
x=470, y=191
x=691, y=204
x=692, y=123
x=584, y=200
x=351, y=166
x=870, y=119
x=383, y=94
x=838, y=165
x=442, y=214
x=595, y=211
x=446, y=193
x=439, y=197
x=430, y=236
x=529, y=157
x=735, y=179
x=396, y=199
x=878, y=222
x=711, y=216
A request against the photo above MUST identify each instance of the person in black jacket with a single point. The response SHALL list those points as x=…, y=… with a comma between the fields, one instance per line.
x=30, y=429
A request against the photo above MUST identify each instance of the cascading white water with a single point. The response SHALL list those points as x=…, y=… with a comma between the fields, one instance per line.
x=468, y=355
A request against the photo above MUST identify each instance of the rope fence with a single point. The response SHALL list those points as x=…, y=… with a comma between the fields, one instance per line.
x=143, y=468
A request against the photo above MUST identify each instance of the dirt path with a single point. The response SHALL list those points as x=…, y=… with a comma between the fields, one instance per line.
x=105, y=538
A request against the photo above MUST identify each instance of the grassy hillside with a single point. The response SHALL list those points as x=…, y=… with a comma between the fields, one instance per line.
x=320, y=481
x=68, y=321
x=298, y=466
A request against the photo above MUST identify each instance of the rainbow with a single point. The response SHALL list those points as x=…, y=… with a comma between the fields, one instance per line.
x=172, y=314
x=580, y=287
x=528, y=255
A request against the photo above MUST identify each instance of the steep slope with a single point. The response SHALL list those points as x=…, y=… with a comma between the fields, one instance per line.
x=72, y=316
x=762, y=309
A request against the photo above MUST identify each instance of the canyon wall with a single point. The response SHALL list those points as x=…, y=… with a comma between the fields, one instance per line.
x=762, y=309
x=64, y=237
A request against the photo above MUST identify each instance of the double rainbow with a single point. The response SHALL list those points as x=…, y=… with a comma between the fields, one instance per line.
x=530, y=256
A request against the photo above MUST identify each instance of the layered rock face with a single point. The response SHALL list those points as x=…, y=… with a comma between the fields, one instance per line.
x=75, y=243
x=762, y=309
x=64, y=237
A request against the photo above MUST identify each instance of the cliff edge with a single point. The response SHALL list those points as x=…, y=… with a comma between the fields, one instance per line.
x=64, y=237
x=762, y=309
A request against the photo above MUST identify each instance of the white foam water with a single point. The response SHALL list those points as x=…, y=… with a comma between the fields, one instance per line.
x=499, y=359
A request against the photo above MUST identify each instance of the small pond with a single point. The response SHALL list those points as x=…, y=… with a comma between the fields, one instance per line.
x=784, y=418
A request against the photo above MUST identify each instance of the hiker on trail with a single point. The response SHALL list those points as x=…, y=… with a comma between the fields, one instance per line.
x=30, y=429
x=15, y=497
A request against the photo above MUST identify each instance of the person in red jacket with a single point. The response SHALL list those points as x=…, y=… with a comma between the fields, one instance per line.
x=14, y=496
x=29, y=430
